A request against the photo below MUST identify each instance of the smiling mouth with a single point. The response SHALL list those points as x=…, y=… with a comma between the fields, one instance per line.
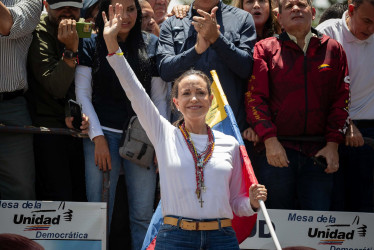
x=194, y=107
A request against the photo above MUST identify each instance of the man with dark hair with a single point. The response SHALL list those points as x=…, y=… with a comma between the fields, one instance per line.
x=52, y=60
x=216, y=36
x=334, y=11
x=355, y=32
x=18, y=18
x=299, y=87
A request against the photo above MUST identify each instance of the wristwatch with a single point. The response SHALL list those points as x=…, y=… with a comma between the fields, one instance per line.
x=68, y=54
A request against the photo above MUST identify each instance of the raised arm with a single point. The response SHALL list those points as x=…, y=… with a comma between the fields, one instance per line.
x=169, y=64
x=146, y=111
x=20, y=19
x=238, y=57
x=53, y=71
x=49, y=69
x=159, y=90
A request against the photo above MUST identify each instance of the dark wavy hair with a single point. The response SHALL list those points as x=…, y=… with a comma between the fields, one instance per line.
x=271, y=26
x=134, y=48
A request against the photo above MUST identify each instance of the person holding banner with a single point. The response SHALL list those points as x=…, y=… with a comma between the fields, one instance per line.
x=200, y=170
x=299, y=87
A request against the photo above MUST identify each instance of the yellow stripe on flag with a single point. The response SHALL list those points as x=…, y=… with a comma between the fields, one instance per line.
x=216, y=113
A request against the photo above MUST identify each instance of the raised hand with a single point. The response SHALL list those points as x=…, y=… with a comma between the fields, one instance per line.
x=206, y=25
x=179, y=11
x=67, y=34
x=112, y=26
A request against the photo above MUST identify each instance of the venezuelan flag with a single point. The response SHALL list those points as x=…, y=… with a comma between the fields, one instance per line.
x=220, y=117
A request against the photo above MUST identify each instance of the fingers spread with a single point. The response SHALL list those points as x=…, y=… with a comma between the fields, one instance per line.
x=110, y=12
x=104, y=17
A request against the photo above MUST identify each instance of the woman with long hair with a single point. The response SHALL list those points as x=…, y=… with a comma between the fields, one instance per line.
x=104, y=101
x=200, y=169
x=261, y=11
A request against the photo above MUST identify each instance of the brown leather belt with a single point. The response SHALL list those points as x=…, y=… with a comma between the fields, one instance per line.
x=197, y=225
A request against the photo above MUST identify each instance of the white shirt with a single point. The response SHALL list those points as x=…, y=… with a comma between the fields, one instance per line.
x=83, y=91
x=360, y=56
x=306, y=39
x=222, y=174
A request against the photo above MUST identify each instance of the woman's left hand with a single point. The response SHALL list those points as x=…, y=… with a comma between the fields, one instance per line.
x=112, y=25
x=257, y=192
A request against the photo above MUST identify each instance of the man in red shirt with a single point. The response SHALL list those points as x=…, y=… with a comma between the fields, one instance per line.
x=299, y=87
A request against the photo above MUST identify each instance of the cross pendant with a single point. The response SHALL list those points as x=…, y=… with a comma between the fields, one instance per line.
x=201, y=201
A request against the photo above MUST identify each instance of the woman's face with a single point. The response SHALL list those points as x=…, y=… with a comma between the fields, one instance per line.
x=259, y=10
x=193, y=99
x=129, y=15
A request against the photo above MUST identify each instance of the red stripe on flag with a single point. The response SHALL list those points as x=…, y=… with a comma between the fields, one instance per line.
x=243, y=225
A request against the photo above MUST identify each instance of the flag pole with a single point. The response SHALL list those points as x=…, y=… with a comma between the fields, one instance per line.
x=262, y=204
x=270, y=225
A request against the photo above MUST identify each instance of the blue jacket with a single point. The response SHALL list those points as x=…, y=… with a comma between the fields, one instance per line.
x=230, y=55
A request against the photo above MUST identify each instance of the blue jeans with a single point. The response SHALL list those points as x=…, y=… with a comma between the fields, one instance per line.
x=172, y=237
x=140, y=184
x=154, y=226
x=301, y=185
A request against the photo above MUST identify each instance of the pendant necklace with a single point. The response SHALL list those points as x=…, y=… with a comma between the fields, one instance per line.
x=200, y=160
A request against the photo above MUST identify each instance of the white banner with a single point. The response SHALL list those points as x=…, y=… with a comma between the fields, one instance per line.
x=307, y=230
x=56, y=225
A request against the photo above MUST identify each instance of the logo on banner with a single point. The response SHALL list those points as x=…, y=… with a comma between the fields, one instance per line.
x=42, y=220
x=336, y=234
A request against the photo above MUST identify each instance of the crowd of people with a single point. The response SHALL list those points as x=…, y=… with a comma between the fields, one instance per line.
x=302, y=97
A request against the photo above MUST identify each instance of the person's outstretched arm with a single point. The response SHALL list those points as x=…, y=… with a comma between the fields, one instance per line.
x=149, y=117
x=20, y=19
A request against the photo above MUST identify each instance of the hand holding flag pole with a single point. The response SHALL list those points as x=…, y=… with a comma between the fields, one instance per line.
x=215, y=119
